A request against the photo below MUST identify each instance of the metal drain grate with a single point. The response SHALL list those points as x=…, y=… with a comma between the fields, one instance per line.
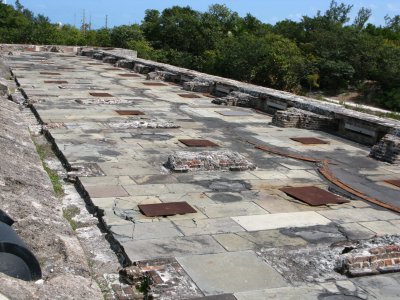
x=49, y=73
x=233, y=113
x=313, y=195
x=56, y=81
x=166, y=209
x=101, y=95
x=395, y=182
x=189, y=96
x=198, y=143
x=129, y=112
x=309, y=140
x=154, y=83
x=129, y=75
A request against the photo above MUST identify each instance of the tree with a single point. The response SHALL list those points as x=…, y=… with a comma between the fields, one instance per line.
x=362, y=17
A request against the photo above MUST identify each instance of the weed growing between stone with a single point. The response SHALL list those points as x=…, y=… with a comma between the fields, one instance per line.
x=44, y=151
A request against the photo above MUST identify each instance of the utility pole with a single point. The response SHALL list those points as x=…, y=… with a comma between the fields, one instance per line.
x=106, y=21
x=90, y=22
x=84, y=23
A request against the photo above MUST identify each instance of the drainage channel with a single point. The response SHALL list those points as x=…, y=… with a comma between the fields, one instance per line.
x=105, y=256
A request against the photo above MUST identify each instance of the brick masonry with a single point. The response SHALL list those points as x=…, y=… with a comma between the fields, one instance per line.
x=384, y=259
x=184, y=161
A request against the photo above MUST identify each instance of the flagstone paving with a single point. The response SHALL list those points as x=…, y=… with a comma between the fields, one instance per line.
x=237, y=213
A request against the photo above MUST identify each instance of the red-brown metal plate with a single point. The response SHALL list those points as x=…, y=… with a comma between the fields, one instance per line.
x=189, y=96
x=309, y=140
x=313, y=195
x=101, y=95
x=129, y=112
x=166, y=209
x=56, y=81
x=395, y=182
x=198, y=143
x=154, y=83
x=129, y=75
x=49, y=73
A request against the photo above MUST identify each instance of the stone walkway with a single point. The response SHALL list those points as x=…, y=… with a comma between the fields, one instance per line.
x=120, y=159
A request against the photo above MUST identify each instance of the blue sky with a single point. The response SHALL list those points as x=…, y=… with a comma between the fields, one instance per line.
x=132, y=11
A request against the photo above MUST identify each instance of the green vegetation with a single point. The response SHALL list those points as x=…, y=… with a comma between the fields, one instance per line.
x=326, y=52
x=69, y=213
x=44, y=151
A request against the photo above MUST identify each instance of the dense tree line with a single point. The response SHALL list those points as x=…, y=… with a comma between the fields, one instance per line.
x=328, y=51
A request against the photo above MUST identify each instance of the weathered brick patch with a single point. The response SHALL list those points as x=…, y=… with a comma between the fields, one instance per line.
x=160, y=278
x=384, y=259
x=184, y=161
x=142, y=124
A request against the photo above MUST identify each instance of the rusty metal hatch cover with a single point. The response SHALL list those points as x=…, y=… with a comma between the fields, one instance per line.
x=129, y=112
x=49, y=73
x=166, y=209
x=56, y=81
x=129, y=75
x=395, y=182
x=111, y=69
x=154, y=83
x=101, y=95
x=198, y=143
x=309, y=140
x=189, y=96
x=313, y=195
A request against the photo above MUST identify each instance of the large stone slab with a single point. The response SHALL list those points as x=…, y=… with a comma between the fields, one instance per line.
x=167, y=247
x=207, y=226
x=282, y=220
x=285, y=293
x=230, y=272
x=231, y=209
x=346, y=215
x=106, y=191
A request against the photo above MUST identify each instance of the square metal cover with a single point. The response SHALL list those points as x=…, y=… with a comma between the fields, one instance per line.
x=166, y=209
x=233, y=113
x=198, y=143
x=49, y=73
x=130, y=112
x=154, y=83
x=395, y=182
x=313, y=195
x=129, y=75
x=56, y=81
x=309, y=140
x=101, y=95
x=189, y=96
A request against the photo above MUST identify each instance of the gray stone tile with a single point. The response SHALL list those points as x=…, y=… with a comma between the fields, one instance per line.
x=347, y=215
x=281, y=220
x=381, y=287
x=231, y=209
x=230, y=272
x=381, y=227
x=208, y=226
x=106, y=191
x=285, y=293
x=355, y=231
x=257, y=239
x=167, y=247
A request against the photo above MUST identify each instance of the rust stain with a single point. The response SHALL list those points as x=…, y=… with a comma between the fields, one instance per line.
x=309, y=140
x=189, y=96
x=101, y=95
x=154, y=83
x=166, y=209
x=129, y=112
x=313, y=196
x=327, y=173
x=395, y=182
x=198, y=143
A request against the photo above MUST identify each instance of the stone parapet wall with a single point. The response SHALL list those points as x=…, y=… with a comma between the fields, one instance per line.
x=298, y=118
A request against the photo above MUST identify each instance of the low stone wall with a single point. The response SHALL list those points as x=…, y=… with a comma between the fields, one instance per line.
x=298, y=118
